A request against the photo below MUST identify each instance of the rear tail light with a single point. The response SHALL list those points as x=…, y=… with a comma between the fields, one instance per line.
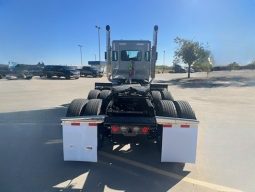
x=145, y=130
x=123, y=129
x=136, y=129
x=115, y=129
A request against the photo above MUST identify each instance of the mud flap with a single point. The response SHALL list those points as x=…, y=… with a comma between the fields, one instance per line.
x=80, y=139
x=179, y=140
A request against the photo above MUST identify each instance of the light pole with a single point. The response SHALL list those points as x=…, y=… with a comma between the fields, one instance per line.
x=81, y=52
x=98, y=30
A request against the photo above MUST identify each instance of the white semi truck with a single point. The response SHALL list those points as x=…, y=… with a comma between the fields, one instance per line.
x=130, y=106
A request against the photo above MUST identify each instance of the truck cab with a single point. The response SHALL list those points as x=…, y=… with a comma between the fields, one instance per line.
x=131, y=60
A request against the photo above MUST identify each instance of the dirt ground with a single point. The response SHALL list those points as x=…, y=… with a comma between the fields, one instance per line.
x=224, y=103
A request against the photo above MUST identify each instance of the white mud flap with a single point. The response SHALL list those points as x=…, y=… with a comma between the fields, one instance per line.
x=80, y=139
x=179, y=140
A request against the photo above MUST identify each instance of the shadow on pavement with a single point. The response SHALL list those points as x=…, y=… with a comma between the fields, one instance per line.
x=52, y=78
x=211, y=82
x=32, y=159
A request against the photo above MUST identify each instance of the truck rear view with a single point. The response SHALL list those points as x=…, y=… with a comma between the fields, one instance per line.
x=130, y=106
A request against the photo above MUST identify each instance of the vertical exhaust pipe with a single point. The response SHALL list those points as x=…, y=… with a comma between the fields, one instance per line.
x=155, y=36
x=154, y=51
x=108, y=52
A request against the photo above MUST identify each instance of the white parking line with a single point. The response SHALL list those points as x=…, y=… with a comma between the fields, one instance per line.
x=172, y=175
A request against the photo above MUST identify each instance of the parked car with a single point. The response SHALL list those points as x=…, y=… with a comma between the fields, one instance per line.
x=179, y=69
x=191, y=69
x=35, y=70
x=90, y=71
x=19, y=75
x=4, y=70
x=68, y=72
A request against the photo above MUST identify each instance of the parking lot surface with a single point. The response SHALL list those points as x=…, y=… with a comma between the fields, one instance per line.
x=31, y=139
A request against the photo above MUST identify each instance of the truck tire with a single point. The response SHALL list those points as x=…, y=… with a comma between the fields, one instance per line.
x=104, y=94
x=156, y=95
x=166, y=95
x=93, y=107
x=76, y=107
x=93, y=94
x=184, y=110
x=166, y=108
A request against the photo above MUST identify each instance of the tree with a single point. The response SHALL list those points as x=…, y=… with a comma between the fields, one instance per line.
x=40, y=64
x=233, y=66
x=251, y=65
x=204, y=64
x=190, y=52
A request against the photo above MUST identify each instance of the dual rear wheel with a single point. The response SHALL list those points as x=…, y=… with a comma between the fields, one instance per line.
x=83, y=107
x=169, y=108
x=97, y=94
x=166, y=106
x=163, y=103
x=176, y=109
x=161, y=95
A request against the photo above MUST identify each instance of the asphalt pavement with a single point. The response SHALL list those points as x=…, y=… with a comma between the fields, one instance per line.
x=32, y=152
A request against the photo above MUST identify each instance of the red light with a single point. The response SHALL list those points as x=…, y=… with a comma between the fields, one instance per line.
x=115, y=129
x=145, y=130
x=92, y=124
x=75, y=124
x=185, y=126
x=167, y=125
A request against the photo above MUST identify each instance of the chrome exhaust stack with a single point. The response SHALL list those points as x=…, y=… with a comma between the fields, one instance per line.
x=154, y=52
x=108, y=52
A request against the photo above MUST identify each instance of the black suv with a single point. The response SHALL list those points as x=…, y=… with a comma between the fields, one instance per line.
x=68, y=72
x=179, y=69
x=90, y=71
x=4, y=70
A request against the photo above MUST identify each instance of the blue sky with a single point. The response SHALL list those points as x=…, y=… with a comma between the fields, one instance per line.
x=50, y=30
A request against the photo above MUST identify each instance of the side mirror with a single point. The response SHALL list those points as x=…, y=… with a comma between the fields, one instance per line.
x=105, y=55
